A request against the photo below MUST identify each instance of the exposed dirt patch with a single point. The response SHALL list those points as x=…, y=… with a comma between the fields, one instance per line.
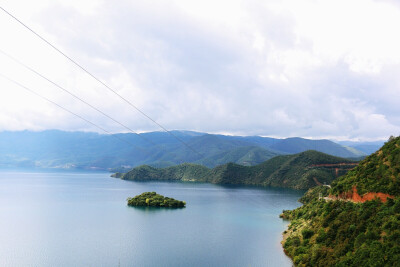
x=355, y=197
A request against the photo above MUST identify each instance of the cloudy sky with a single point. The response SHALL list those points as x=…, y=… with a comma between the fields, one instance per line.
x=311, y=68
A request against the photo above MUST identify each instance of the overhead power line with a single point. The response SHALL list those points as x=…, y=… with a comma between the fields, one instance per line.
x=98, y=80
x=65, y=109
x=73, y=95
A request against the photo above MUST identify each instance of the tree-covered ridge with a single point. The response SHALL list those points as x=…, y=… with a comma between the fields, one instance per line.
x=343, y=233
x=328, y=232
x=152, y=199
x=379, y=172
x=299, y=171
x=182, y=172
x=247, y=156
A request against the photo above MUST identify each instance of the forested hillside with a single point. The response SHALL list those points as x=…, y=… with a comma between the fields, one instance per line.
x=339, y=231
x=380, y=172
x=299, y=171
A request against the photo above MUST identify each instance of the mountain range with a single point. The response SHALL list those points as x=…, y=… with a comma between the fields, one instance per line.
x=85, y=150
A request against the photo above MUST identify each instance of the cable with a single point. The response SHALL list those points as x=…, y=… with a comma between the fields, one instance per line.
x=71, y=112
x=98, y=80
x=72, y=94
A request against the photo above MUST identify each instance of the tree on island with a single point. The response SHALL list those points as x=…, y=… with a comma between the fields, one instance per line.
x=152, y=199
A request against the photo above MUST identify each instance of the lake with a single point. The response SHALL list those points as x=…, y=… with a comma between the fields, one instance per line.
x=81, y=219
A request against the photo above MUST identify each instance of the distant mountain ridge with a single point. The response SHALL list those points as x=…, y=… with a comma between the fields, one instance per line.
x=366, y=147
x=299, y=171
x=81, y=150
x=297, y=145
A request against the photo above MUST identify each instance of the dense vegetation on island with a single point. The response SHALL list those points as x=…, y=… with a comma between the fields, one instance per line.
x=84, y=150
x=300, y=171
x=152, y=199
x=328, y=232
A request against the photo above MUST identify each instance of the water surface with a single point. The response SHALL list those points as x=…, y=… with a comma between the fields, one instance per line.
x=81, y=219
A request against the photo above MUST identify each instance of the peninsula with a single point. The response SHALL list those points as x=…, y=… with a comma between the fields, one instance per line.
x=299, y=171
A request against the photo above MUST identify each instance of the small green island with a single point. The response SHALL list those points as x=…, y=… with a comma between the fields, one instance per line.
x=152, y=199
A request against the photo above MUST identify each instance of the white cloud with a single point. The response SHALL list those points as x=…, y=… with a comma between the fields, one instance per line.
x=283, y=68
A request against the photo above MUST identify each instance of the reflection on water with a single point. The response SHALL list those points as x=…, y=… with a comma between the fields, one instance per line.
x=155, y=209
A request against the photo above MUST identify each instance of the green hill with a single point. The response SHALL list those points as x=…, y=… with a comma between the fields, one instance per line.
x=215, y=150
x=299, y=171
x=304, y=170
x=347, y=232
x=379, y=172
x=247, y=156
x=182, y=172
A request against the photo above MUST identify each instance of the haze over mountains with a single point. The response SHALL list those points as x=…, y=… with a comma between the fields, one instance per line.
x=82, y=150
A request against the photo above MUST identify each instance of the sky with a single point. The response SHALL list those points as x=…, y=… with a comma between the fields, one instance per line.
x=280, y=68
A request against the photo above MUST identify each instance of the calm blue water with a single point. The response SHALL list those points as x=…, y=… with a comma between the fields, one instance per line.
x=81, y=219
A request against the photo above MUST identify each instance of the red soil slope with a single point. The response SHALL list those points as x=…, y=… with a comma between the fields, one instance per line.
x=355, y=197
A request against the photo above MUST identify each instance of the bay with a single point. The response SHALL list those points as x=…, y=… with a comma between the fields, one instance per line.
x=81, y=219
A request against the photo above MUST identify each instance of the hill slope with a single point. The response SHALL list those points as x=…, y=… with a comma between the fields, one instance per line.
x=349, y=232
x=246, y=155
x=299, y=171
x=379, y=172
x=182, y=172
